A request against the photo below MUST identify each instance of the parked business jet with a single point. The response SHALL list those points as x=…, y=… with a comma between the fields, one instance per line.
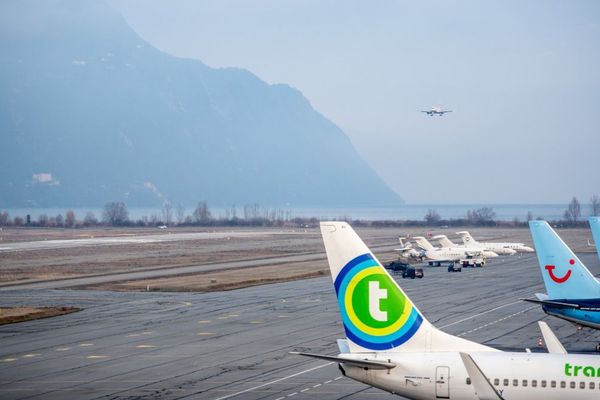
x=573, y=292
x=445, y=242
x=407, y=250
x=595, y=225
x=499, y=248
x=449, y=254
x=435, y=111
x=390, y=344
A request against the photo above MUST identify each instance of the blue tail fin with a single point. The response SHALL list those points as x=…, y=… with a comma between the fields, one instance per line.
x=595, y=225
x=564, y=274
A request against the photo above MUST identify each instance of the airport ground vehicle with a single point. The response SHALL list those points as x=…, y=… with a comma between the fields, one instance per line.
x=455, y=267
x=397, y=265
x=472, y=262
x=412, y=273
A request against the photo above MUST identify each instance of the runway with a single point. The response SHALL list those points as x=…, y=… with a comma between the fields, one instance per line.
x=234, y=345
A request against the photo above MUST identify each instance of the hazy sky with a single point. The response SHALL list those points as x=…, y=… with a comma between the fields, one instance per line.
x=523, y=79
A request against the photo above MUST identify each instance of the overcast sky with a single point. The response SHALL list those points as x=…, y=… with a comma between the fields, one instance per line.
x=522, y=77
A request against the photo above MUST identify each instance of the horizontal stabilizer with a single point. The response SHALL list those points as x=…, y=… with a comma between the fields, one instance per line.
x=362, y=363
x=553, y=345
x=483, y=388
x=551, y=303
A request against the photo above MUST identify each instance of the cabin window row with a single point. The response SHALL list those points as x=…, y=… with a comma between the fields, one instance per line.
x=542, y=383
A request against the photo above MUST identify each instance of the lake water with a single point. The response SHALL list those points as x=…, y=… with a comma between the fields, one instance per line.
x=504, y=212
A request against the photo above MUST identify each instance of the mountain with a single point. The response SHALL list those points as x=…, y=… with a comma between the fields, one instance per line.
x=90, y=113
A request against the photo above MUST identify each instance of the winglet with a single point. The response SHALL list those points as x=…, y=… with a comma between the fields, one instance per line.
x=483, y=388
x=553, y=345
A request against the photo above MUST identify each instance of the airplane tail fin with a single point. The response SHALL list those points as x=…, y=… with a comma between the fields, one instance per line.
x=595, y=225
x=423, y=243
x=466, y=237
x=444, y=241
x=376, y=313
x=565, y=276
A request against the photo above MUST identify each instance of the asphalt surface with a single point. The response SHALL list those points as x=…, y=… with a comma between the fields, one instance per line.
x=235, y=344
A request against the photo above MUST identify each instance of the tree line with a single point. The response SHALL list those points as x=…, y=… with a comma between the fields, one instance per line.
x=116, y=214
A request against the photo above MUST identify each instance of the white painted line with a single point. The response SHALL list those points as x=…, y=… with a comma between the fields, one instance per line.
x=477, y=315
x=292, y=394
x=326, y=382
x=338, y=378
x=317, y=385
x=305, y=390
x=275, y=381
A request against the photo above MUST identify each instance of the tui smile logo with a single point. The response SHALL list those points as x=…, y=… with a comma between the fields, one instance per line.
x=562, y=279
x=375, y=312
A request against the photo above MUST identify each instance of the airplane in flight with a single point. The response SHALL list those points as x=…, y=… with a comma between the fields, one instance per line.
x=499, y=248
x=595, y=225
x=573, y=292
x=438, y=255
x=436, y=111
x=392, y=346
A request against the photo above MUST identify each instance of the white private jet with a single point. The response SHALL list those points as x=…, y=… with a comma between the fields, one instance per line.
x=449, y=254
x=436, y=111
x=408, y=251
x=500, y=248
x=445, y=242
x=390, y=344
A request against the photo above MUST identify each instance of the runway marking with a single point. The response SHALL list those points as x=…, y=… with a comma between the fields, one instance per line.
x=204, y=333
x=204, y=321
x=338, y=378
x=96, y=357
x=304, y=390
x=498, y=320
x=477, y=315
x=292, y=394
x=326, y=382
x=145, y=346
x=224, y=317
x=147, y=333
x=233, y=315
x=31, y=355
x=313, y=387
x=8, y=359
x=133, y=335
x=256, y=322
x=274, y=381
x=283, y=316
x=62, y=349
x=317, y=385
x=86, y=344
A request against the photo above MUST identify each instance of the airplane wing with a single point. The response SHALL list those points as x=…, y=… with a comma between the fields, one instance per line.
x=551, y=303
x=482, y=385
x=362, y=363
x=445, y=111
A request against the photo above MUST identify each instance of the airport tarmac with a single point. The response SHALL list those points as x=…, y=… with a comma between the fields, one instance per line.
x=235, y=344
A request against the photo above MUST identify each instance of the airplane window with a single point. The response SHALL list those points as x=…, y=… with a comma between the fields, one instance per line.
x=468, y=381
x=533, y=383
x=563, y=384
x=572, y=385
x=581, y=385
x=515, y=382
x=524, y=382
x=592, y=385
x=496, y=382
x=505, y=383
x=553, y=384
x=543, y=383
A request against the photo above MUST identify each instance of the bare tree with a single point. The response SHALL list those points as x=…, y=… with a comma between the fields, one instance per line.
x=167, y=213
x=573, y=211
x=59, y=220
x=43, y=220
x=90, y=219
x=19, y=221
x=202, y=213
x=69, y=219
x=115, y=213
x=180, y=213
x=481, y=216
x=529, y=216
x=432, y=217
x=4, y=218
x=595, y=205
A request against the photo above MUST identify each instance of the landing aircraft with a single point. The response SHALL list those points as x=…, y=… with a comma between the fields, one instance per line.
x=573, y=292
x=595, y=225
x=390, y=344
x=449, y=254
x=436, y=111
x=499, y=248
